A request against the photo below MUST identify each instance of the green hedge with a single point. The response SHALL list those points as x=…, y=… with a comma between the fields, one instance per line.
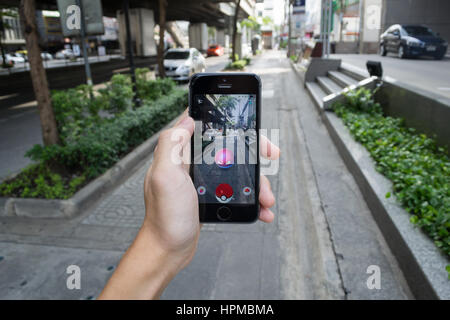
x=419, y=170
x=94, y=151
x=238, y=64
x=80, y=108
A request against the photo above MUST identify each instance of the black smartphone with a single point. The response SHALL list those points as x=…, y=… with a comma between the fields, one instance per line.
x=225, y=146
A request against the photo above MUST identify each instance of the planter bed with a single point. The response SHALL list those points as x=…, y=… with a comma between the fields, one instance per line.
x=95, y=163
x=422, y=260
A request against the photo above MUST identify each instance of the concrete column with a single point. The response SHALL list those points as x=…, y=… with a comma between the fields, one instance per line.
x=220, y=36
x=142, y=24
x=238, y=50
x=198, y=36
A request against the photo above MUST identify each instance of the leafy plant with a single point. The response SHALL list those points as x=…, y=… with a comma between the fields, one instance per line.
x=74, y=111
x=118, y=94
x=152, y=90
x=236, y=65
x=418, y=169
x=38, y=181
x=94, y=151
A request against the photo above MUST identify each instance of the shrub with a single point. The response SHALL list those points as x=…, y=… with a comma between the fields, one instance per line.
x=118, y=94
x=79, y=108
x=95, y=150
x=103, y=145
x=418, y=169
x=152, y=90
x=74, y=110
x=38, y=180
x=237, y=65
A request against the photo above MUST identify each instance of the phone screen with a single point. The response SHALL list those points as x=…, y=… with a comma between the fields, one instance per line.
x=225, y=148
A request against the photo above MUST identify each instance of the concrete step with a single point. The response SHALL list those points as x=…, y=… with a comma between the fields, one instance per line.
x=354, y=72
x=328, y=85
x=341, y=78
x=316, y=92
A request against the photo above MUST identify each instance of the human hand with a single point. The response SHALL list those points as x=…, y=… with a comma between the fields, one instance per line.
x=168, y=238
x=171, y=199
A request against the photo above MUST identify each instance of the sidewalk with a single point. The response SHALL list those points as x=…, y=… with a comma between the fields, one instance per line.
x=319, y=246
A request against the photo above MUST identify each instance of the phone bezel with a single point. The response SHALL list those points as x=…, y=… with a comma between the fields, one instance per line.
x=241, y=83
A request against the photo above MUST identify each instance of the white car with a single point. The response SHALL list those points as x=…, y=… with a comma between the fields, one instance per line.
x=65, y=54
x=15, y=58
x=181, y=64
x=46, y=56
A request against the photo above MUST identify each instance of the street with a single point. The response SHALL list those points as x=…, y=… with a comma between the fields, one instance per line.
x=425, y=73
x=320, y=245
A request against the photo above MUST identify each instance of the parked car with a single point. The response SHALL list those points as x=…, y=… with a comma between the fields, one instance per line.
x=412, y=41
x=46, y=56
x=181, y=64
x=15, y=58
x=215, y=50
x=65, y=54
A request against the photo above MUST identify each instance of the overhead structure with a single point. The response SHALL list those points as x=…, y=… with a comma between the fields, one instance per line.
x=212, y=12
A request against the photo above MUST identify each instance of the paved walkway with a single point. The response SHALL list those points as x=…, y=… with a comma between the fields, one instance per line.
x=319, y=246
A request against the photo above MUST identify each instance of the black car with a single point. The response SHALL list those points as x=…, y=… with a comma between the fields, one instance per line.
x=412, y=41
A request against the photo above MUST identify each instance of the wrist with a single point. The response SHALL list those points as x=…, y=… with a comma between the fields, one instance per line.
x=144, y=271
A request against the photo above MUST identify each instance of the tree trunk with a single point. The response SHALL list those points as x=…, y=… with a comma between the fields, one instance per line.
x=235, y=19
x=38, y=76
x=2, y=49
x=162, y=29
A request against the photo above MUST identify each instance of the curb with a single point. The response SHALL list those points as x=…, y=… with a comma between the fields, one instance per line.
x=422, y=264
x=86, y=197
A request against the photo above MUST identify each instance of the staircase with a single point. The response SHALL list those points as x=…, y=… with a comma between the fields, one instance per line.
x=326, y=90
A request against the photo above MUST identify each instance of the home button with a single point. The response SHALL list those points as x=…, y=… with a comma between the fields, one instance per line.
x=224, y=213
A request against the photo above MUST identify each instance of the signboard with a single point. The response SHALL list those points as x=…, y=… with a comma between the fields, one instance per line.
x=76, y=50
x=101, y=51
x=70, y=15
x=298, y=7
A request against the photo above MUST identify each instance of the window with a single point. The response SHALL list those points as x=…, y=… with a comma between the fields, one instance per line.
x=177, y=55
x=418, y=31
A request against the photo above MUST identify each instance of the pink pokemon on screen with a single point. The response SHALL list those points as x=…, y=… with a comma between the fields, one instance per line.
x=224, y=158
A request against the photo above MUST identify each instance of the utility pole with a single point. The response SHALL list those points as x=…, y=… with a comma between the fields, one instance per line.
x=289, y=28
x=87, y=67
x=361, y=26
x=27, y=11
x=330, y=13
x=126, y=9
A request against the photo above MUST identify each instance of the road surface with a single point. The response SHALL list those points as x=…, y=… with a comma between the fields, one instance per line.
x=425, y=73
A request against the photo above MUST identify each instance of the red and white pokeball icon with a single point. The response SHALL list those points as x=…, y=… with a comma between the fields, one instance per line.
x=246, y=191
x=224, y=193
x=201, y=190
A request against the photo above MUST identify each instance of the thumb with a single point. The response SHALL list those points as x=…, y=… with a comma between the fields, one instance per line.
x=174, y=144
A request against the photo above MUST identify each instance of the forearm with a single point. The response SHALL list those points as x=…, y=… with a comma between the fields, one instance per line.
x=143, y=273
